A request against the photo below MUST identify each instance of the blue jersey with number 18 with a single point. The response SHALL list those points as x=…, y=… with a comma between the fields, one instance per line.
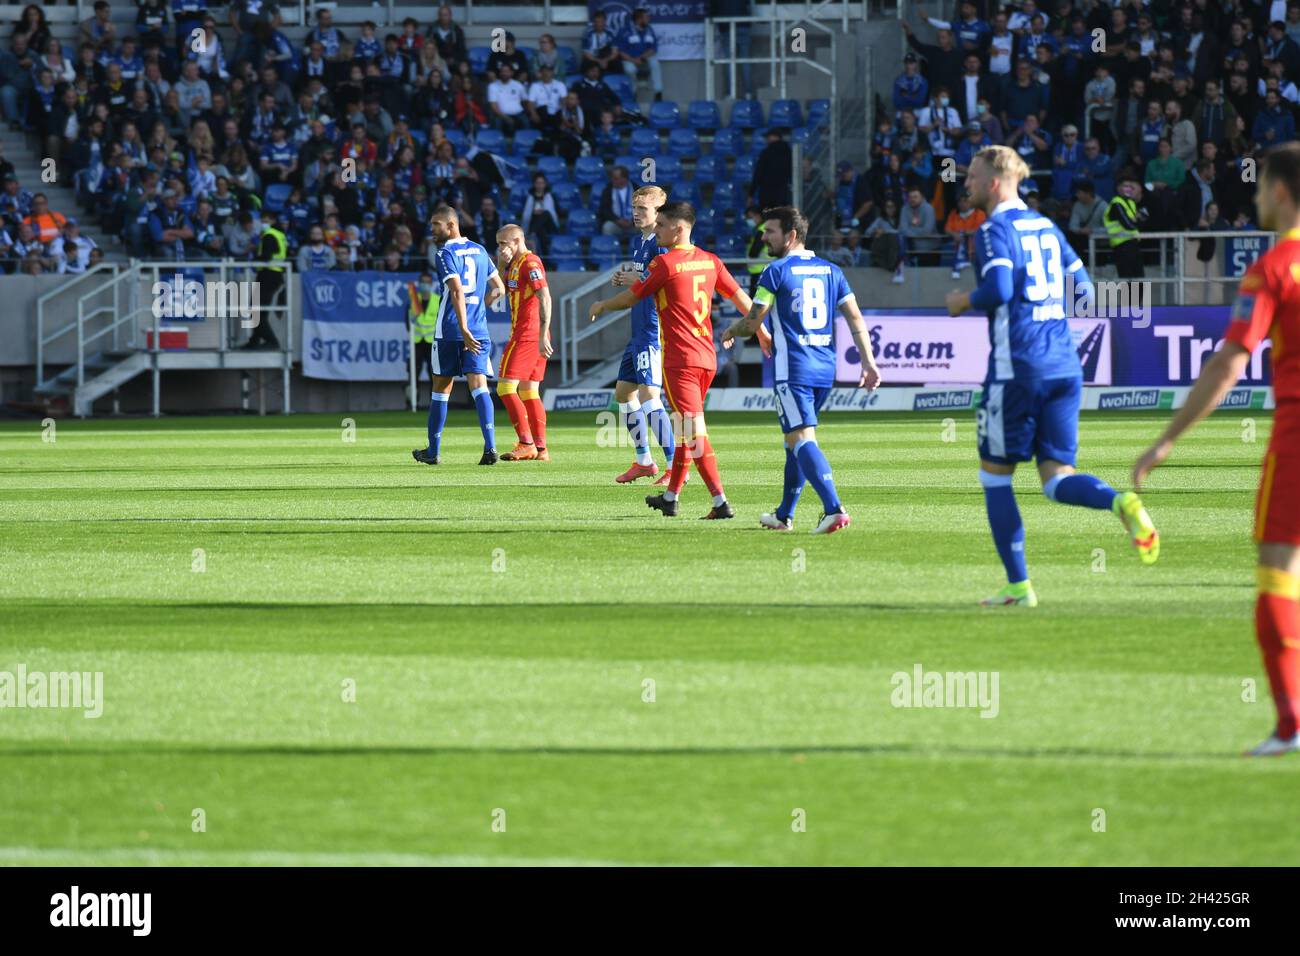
x=470, y=263
x=1029, y=335
x=802, y=293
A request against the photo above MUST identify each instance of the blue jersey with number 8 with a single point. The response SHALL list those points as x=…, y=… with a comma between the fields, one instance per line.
x=802, y=293
x=1029, y=335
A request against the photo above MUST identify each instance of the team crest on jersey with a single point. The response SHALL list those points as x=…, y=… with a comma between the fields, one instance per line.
x=535, y=275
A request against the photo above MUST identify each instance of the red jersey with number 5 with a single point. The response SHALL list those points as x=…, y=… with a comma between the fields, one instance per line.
x=1268, y=306
x=682, y=281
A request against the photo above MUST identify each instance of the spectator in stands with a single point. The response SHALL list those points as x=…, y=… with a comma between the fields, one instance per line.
x=773, y=171
x=541, y=218
x=639, y=48
x=1025, y=97
x=884, y=240
x=615, y=210
x=972, y=142
x=1214, y=116
x=962, y=225
x=974, y=87
x=45, y=223
x=315, y=255
x=1197, y=194
x=506, y=100
x=207, y=242
x=449, y=38
x=330, y=37
x=545, y=99
x=598, y=45
x=71, y=251
x=942, y=60
x=278, y=162
x=911, y=89
x=1099, y=94
x=469, y=114
x=1182, y=133
x=1067, y=160
x=1085, y=217
x=509, y=56
x=595, y=96
x=1033, y=143
x=1098, y=168
x=98, y=29
x=918, y=229
x=1000, y=54
x=16, y=82
x=1274, y=124
x=193, y=91
x=989, y=122
x=170, y=228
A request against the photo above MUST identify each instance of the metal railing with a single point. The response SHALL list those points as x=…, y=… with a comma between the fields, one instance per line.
x=76, y=326
x=1174, y=278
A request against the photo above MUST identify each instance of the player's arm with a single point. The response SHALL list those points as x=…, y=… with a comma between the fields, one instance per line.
x=496, y=289
x=544, y=321
x=996, y=286
x=751, y=321
x=862, y=339
x=1252, y=316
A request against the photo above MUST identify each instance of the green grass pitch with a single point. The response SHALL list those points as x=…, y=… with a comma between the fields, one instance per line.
x=382, y=662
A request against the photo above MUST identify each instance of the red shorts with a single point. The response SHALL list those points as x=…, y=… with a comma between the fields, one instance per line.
x=1277, y=506
x=522, y=362
x=685, y=388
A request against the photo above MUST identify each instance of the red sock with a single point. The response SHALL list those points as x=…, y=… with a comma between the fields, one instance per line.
x=681, y=465
x=1277, y=628
x=518, y=417
x=707, y=462
x=536, y=417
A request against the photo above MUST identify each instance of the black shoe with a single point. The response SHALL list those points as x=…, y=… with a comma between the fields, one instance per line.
x=660, y=503
x=489, y=457
x=423, y=457
x=718, y=512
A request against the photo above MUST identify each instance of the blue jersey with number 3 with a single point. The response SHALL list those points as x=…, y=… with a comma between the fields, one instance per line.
x=470, y=263
x=1029, y=335
x=802, y=293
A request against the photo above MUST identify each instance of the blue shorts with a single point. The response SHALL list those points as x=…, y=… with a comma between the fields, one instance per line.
x=642, y=363
x=797, y=405
x=450, y=357
x=1017, y=421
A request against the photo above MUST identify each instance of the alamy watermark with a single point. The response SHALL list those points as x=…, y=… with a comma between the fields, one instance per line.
x=21, y=689
x=953, y=689
x=185, y=298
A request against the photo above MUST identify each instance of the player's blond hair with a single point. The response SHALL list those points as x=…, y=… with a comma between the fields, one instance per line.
x=1005, y=162
x=656, y=194
x=510, y=231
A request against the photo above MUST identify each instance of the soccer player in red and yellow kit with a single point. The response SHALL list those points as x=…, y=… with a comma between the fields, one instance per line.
x=523, y=363
x=1267, y=305
x=683, y=281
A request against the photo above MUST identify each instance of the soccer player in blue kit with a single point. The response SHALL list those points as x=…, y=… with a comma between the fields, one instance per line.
x=1032, y=390
x=470, y=284
x=640, y=376
x=798, y=293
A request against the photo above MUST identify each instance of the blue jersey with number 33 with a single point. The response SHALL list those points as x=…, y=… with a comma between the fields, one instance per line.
x=802, y=293
x=1029, y=335
x=470, y=263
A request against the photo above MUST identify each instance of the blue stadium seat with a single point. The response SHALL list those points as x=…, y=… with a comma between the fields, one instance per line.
x=684, y=143
x=819, y=112
x=582, y=223
x=530, y=54
x=623, y=89
x=589, y=171
x=565, y=246
x=726, y=197
x=644, y=141
x=687, y=191
x=728, y=142
x=523, y=142
x=665, y=115
x=805, y=136
x=572, y=80
x=569, y=265
x=703, y=115
x=553, y=168
x=478, y=59
x=492, y=140
x=746, y=114
x=730, y=247
x=668, y=169
x=459, y=141
x=568, y=60
x=709, y=169
x=632, y=163
x=758, y=143
x=631, y=244
x=605, y=251
x=743, y=170
x=277, y=194
x=706, y=225
x=518, y=196
x=567, y=195
x=786, y=113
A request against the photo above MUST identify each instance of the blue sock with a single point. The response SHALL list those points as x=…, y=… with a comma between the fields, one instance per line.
x=817, y=470
x=1004, y=522
x=793, y=487
x=437, y=418
x=661, y=423
x=483, y=405
x=1087, y=491
x=634, y=418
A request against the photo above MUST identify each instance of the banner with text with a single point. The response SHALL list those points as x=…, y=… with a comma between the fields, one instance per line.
x=679, y=27
x=354, y=326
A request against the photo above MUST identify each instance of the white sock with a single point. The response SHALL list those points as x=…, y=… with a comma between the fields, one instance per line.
x=670, y=495
x=719, y=500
